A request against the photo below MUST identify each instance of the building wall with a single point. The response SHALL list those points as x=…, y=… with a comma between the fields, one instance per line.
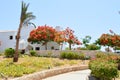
x=6, y=42
x=50, y=46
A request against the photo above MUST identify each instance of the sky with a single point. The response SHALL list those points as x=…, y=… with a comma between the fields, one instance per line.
x=85, y=17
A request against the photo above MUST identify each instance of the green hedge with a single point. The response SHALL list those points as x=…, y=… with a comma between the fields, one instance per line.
x=9, y=52
x=93, y=47
x=33, y=53
x=103, y=69
x=73, y=55
x=101, y=55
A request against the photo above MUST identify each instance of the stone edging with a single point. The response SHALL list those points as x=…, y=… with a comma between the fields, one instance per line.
x=47, y=73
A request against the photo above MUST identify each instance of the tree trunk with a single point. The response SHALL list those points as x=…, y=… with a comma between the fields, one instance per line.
x=15, y=58
x=108, y=49
x=115, y=49
x=45, y=46
x=61, y=46
x=70, y=46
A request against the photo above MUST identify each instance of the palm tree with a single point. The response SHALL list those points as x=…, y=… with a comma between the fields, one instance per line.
x=24, y=19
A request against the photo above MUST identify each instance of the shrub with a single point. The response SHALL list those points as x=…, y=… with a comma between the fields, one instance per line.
x=9, y=52
x=101, y=55
x=69, y=55
x=67, y=48
x=63, y=55
x=93, y=47
x=74, y=55
x=33, y=53
x=104, y=70
x=83, y=48
x=82, y=56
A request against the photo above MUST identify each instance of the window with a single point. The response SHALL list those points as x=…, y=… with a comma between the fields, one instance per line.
x=37, y=48
x=11, y=37
x=52, y=48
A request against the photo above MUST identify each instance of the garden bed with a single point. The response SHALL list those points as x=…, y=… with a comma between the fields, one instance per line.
x=27, y=65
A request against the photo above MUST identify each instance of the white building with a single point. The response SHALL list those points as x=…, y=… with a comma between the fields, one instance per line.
x=7, y=40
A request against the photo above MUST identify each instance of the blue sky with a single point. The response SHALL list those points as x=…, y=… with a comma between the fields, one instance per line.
x=85, y=17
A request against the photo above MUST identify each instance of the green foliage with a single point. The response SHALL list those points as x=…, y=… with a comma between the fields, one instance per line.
x=14, y=70
x=104, y=70
x=83, y=48
x=86, y=40
x=1, y=54
x=56, y=63
x=97, y=42
x=49, y=54
x=116, y=48
x=111, y=57
x=69, y=55
x=33, y=53
x=82, y=56
x=9, y=52
x=101, y=55
x=67, y=48
x=104, y=66
x=72, y=55
x=93, y=47
x=72, y=62
x=29, y=64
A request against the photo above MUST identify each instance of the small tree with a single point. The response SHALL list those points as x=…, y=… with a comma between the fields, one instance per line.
x=109, y=40
x=105, y=40
x=93, y=47
x=86, y=40
x=70, y=37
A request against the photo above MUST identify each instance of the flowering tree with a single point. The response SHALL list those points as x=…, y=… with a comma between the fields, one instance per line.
x=59, y=37
x=109, y=40
x=42, y=34
x=70, y=37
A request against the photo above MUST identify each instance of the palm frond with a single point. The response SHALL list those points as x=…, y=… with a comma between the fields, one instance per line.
x=26, y=16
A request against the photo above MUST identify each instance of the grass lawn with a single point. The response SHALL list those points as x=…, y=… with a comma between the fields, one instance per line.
x=27, y=65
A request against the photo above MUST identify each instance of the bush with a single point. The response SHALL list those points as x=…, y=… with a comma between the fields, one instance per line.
x=9, y=52
x=101, y=55
x=33, y=53
x=69, y=55
x=93, y=47
x=83, y=48
x=82, y=56
x=104, y=70
x=63, y=55
x=73, y=55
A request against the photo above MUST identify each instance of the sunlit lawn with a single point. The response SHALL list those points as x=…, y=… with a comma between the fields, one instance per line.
x=27, y=65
